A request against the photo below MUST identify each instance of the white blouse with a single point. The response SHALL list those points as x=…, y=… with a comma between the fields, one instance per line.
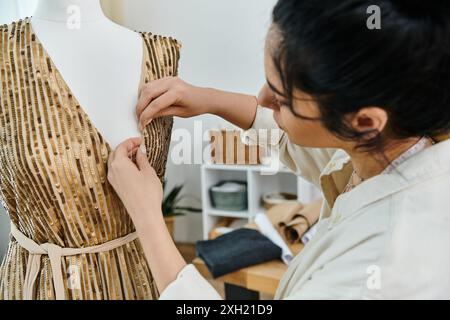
x=388, y=238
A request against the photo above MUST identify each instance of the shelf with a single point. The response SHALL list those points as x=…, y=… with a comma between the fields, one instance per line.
x=234, y=167
x=260, y=180
x=231, y=214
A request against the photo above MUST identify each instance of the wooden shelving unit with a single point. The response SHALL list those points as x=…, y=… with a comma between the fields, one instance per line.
x=258, y=181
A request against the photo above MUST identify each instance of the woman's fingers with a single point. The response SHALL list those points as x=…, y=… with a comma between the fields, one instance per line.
x=171, y=112
x=121, y=152
x=156, y=106
x=142, y=161
x=132, y=152
x=149, y=92
x=126, y=147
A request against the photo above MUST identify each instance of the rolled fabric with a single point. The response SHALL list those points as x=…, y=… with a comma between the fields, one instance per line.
x=282, y=213
x=301, y=222
x=293, y=220
x=295, y=229
x=309, y=234
x=266, y=227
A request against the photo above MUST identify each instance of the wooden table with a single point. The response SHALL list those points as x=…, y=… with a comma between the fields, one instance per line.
x=247, y=283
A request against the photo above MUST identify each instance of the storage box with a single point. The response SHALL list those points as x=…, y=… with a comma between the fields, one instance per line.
x=229, y=196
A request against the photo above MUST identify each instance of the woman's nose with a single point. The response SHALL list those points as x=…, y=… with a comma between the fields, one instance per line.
x=267, y=99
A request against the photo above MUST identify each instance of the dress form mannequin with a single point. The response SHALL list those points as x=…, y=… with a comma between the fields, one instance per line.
x=100, y=61
x=65, y=98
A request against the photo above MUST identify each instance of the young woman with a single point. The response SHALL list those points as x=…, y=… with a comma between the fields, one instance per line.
x=365, y=116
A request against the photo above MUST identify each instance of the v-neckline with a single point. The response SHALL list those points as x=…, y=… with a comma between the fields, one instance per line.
x=69, y=90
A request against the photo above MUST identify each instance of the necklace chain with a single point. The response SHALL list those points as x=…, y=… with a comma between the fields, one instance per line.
x=419, y=146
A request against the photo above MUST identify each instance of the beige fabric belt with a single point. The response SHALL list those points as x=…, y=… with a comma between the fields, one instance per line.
x=55, y=253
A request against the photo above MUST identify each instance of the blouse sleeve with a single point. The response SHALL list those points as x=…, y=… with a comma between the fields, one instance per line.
x=190, y=285
x=305, y=162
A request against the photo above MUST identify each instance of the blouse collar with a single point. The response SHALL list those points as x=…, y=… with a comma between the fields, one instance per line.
x=429, y=163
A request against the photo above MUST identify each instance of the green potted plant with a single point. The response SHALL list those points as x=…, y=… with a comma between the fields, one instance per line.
x=171, y=207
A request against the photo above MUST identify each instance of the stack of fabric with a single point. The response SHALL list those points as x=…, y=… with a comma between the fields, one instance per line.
x=247, y=246
x=236, y=250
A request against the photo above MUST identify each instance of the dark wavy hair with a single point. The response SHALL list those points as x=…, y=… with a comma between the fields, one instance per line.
x=327, y=51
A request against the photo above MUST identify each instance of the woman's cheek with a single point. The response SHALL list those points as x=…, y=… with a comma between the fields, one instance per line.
x=290, y=124
x=300, y=132
x=277, y=118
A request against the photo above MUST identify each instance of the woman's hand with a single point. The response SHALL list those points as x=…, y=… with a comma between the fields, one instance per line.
x=172, y=96
x=141, y=192
x=137, y=185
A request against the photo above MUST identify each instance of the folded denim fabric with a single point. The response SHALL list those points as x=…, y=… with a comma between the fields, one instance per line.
x=236, y=250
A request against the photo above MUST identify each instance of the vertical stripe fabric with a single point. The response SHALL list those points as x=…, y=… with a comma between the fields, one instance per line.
x=53, y=173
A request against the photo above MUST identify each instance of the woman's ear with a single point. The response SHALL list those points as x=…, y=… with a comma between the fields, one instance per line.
x=370, y=119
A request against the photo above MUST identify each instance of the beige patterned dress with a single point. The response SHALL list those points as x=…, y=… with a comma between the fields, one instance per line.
x=73, y=238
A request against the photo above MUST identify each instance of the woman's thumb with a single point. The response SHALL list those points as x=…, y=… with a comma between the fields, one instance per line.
x=141, y=158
